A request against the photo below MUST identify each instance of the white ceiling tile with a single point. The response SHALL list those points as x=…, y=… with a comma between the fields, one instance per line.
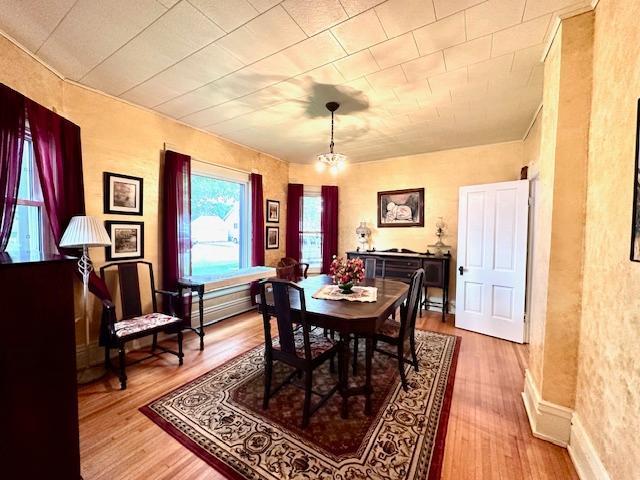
x=391, y=77
x=444, y=8
x=441, y=34
x=174, y=36
x=494, y=15
x=357, y=65
x=264, y=35
x=208, y=95
x=469, y=92
x=327, y=74
x=277, y=66
x=423, y=67
x=417, y=90
x=354, y=7
x=528, y=57
x=467, y=53
x=400, y=16
x=316, y=16
x=227, y=14
x=168, y=3
x=359, y=32
x=204, y=66
x=94, y=30
x=217, y=114
x=315, y=51
x=521, y=36
x=492, y=67
x=264, y=5
x=542, y=7
x=32, y=21
x=447, y=81
x=395, y=51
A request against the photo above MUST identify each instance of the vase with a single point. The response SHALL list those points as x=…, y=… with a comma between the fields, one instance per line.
x=346, y=288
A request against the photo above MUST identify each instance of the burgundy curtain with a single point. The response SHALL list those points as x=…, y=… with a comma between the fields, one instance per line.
x=58, y=155
x=12, y=120
x=329, y=225
x=295, y=193
x=257, y=220
x=176, y=228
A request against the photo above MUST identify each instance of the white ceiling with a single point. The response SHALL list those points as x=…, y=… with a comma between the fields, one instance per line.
x=412, y=76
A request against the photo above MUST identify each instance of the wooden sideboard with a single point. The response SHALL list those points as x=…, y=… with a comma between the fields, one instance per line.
x=39, y=400
x=399, y=264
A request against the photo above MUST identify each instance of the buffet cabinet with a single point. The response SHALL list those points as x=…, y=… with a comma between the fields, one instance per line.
x=39, y=402
x=399, y=264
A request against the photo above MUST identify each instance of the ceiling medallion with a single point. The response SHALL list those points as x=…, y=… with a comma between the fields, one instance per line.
x=334, y=161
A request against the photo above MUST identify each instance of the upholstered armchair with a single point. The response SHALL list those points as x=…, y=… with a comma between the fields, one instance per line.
x=290, y=269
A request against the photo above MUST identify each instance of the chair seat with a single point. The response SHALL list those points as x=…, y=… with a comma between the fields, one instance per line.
x=319, y=343
x=390, y=328
x=124, y=328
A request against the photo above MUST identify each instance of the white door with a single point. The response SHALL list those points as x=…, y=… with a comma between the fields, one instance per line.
x=492, y=259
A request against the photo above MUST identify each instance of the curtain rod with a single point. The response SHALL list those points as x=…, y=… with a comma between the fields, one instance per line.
x=168, y=146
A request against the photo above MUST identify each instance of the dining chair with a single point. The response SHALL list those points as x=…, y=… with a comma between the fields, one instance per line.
x=397, y=333
x=134, y=313
x=290, y=269
x=298, y=345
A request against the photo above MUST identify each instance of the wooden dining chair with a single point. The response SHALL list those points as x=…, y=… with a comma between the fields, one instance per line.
x=290, y=269
x=397, y=333
x=134, y=313
x=298, y=345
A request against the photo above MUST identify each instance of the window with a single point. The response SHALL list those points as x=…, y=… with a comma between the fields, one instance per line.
x=311, y=234
x=219, y=220
x=30, y=230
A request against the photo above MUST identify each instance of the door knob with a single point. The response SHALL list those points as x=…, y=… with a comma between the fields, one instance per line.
x=461, y=270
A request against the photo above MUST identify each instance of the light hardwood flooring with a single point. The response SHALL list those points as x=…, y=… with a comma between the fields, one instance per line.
x=488, y=436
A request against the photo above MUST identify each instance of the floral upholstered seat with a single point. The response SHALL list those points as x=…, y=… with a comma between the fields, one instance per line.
x=390, y=328
x=133, y=325
x=319, y=343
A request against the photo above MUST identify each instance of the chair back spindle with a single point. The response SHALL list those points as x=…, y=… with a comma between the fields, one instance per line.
x=370, y=265
x=409, y=310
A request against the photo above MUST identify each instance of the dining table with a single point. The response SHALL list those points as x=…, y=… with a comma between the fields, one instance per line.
x=349, y=318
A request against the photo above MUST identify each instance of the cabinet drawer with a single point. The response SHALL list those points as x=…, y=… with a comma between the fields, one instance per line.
x=404, y=264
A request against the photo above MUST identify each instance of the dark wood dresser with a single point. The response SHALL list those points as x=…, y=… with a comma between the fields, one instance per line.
x=38, y=395
x=399, y=264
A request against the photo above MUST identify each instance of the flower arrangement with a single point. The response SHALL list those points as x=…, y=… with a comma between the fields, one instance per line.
x=346, y=272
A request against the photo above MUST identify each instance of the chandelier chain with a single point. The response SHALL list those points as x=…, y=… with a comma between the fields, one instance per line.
x=331, y=144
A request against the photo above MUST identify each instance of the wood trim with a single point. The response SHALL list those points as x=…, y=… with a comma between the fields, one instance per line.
x=548, y=421
x=583, y=454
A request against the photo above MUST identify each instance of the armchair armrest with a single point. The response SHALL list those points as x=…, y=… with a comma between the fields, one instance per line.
x=306, y=268
x=167, y=292
x=171, y=298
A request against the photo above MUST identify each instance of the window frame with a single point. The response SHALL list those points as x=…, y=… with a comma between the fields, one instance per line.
x=204, y=169
x=312, y=191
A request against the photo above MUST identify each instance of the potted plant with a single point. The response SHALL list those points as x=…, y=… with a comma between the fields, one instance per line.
x=346, y=273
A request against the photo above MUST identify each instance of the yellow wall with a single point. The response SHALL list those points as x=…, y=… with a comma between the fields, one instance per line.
x=440, y=173
x=122, y=138
x=608, y=392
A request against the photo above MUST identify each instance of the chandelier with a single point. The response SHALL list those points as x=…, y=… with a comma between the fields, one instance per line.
x=335, y=161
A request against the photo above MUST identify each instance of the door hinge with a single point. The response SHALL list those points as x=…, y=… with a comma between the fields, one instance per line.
x=524, y=317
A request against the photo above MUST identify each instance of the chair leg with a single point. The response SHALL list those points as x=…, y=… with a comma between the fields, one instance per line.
x=107, y=357
x=123, y=373
x=355, y=355
x=268, y=371
x=412, y=342
x=307, y=398
x=403, y=377
x=154, y=343
x=332, y=364
x=180, y=353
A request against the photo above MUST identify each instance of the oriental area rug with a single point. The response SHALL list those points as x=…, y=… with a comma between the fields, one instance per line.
x=219, y=417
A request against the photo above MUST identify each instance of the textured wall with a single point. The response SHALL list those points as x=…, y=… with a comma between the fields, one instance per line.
x=121, y=138
x=440, y=173
x=608, y=393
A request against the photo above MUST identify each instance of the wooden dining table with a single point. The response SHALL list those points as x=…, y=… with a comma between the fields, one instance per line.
x=350, y=318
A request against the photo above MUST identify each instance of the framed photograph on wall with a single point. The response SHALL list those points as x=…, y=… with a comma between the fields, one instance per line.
x=401, y=208
x=635, y=221
x=122, y=194
x=273, y=238
x=127, y=240
x=273, y=211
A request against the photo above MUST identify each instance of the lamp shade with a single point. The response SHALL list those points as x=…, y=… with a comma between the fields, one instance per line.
x=85, y=231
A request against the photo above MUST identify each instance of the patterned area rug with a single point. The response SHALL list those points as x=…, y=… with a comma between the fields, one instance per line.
x=219, y=417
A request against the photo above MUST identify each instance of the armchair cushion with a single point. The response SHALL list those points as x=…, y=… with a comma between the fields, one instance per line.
x=150, y=321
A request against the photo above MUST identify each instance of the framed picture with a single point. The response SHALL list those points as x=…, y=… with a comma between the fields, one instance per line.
x=635, y=221
x=401, y=208
x=127, y=240
x=273, y=211
x=122, y=194
x=273, y=238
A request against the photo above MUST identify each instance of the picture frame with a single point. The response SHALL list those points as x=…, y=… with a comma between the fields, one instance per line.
x=123, y=194
x=401, y=208
x=127, y=240
x=272, y=238
x=273, y=211
x=634, y=254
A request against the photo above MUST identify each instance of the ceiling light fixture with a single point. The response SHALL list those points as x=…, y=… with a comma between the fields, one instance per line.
x=335, y=161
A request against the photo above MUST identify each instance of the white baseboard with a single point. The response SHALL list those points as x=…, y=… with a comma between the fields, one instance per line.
x=548, y=421
x=583, y=454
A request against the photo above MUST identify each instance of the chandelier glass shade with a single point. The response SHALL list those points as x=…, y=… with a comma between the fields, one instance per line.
x=332, y=160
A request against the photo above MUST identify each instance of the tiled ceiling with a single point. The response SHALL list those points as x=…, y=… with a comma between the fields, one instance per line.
x=412, y=76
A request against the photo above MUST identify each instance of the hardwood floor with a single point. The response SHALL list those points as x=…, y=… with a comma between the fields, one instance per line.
x=488, y=437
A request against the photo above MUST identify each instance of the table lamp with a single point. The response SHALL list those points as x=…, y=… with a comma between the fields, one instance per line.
x=84, y=231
